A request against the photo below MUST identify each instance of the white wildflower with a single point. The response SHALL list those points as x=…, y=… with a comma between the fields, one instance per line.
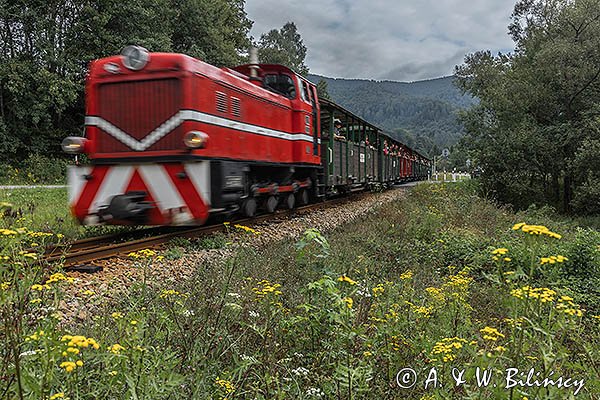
x=315, y=392
x=300, y=371
x=363, y=291
x=249, y=359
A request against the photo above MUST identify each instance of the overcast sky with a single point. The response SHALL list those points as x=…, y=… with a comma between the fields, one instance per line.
x=387, y=39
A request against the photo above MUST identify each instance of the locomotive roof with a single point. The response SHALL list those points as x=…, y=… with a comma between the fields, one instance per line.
x=245, y=68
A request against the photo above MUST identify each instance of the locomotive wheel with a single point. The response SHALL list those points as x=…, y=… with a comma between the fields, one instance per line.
x=303, y=198
x=290, y=201
x=271, y=204
x=249, y=207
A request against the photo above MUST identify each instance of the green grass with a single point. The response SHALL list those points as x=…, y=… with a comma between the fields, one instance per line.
x=39, y=209
x=44, y=210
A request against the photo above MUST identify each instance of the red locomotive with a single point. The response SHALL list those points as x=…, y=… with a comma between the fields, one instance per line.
x=173, y=140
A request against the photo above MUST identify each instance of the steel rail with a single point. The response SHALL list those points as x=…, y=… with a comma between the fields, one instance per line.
x=102, y=247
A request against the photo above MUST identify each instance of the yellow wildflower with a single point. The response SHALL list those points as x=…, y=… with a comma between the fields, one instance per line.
x=60, y=395
x=73, y=350
x=349, y=302
x=226, y=385
x=446, y=348
x=553, y=259
x=266, y=288
x=544, y=295
x=143, y=254
x=406, y=275
x=172, y=293
x=59, y=277
x=246, y=229
x=378, y=290
x=80, y=341
x=68, y=366
x=536, y=230
x=491, y=333
x=344, y=278
x=116, y=348
x=26, y=254
x=518, y=226
x=436, y=293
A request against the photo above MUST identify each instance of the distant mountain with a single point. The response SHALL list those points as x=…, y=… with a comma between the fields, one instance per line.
x=421, y=114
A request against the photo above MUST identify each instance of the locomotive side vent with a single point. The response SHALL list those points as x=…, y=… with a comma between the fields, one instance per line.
x=222, y=102
x=236, y=108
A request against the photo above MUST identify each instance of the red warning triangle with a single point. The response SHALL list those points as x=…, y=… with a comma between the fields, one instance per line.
x=137, y=184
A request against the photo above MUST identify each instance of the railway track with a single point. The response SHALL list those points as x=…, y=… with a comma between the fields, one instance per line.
x=101, y=247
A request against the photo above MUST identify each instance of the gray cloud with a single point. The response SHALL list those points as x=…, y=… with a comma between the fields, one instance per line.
x=387, y=39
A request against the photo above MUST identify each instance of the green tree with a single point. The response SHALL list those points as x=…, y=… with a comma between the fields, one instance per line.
x=215, y=31
x=283, y=46
x=536, y=104
x=322, y=90
x=46, y=46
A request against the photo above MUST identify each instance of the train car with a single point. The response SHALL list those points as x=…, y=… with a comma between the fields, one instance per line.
x=350, y=154
x=173, y=140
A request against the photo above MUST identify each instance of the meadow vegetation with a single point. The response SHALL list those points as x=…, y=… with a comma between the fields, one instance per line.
x=46, y=210
x=441, y=278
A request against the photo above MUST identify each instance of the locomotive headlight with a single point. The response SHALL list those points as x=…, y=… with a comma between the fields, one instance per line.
x=195, y=140
x=73, y=144
x=135, y=57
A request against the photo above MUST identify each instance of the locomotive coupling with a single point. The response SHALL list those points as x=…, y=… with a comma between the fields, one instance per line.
x=129, y=207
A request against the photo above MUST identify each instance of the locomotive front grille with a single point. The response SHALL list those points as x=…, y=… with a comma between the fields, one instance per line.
x=138, y=108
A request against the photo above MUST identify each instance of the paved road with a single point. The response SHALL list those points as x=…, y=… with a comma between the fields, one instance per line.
x=32, y=186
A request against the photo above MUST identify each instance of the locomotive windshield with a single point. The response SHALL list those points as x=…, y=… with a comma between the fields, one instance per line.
x=281, y=84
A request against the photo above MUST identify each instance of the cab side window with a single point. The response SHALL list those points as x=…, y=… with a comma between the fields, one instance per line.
x=305, y=92
x=280, y=84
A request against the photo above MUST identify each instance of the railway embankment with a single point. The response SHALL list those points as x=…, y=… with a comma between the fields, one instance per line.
x=369, y=300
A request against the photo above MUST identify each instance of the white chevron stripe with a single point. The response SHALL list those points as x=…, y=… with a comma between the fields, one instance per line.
x=161, y=186
x=199, y=174
x=76, y=180
x=115, y=182
x=187, y=115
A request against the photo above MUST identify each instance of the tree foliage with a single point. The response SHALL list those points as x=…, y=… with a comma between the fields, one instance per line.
x=283, y=46
x=45, y=48
x=538, y=106
x=323, y=90
x=421, y=114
